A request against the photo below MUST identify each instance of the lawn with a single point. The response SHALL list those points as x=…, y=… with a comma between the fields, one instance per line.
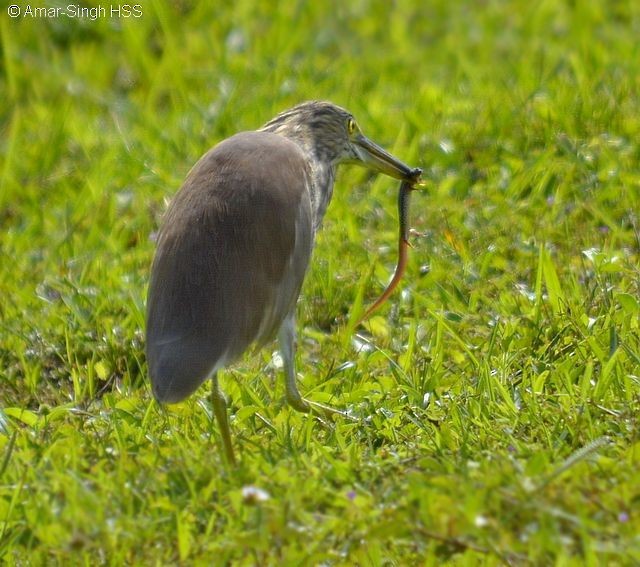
x=493, y=404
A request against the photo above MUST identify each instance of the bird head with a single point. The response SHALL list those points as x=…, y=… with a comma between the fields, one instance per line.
x=332, y=136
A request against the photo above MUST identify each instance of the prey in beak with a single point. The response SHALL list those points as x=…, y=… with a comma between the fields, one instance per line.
x=371, y=155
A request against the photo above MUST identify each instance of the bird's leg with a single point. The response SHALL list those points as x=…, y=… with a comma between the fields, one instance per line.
x=220, y=411
x=287, y=340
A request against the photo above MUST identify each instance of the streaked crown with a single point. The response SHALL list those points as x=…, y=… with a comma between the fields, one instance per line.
x=322, y=129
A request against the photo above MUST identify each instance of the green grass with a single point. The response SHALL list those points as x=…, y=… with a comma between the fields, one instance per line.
x=496, y=399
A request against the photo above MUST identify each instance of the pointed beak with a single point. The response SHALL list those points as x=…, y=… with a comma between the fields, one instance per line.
x=374, y=157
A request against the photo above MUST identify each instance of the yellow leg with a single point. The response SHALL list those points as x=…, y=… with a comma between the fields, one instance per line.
x=220, y=411
x=287, y=340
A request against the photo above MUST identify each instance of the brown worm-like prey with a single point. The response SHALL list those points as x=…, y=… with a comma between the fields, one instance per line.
x=406, y=187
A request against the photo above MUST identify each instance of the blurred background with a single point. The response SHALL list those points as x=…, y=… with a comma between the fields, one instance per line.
x=510, y=357
x=519, y=112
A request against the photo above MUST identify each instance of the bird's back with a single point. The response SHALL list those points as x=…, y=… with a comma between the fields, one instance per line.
x=232, y=253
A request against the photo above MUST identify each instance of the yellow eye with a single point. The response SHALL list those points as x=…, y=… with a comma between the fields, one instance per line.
x=351, y=126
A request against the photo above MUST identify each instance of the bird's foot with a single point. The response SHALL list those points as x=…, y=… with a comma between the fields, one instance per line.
x=298, y=403
x=327, y=411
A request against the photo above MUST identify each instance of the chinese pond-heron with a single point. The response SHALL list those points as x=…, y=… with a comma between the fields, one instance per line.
x=235, y=244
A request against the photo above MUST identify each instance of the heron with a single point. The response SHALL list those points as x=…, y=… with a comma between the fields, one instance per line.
x=234, y=246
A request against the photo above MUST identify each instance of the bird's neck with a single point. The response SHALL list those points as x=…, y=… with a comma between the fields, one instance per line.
x=322, y=178
x=323, y=172
x=322, y=164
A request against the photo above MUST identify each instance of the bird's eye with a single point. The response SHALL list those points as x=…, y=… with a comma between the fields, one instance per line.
x=351, y=126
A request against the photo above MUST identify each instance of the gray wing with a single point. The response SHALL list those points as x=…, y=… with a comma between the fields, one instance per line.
x=232, y=254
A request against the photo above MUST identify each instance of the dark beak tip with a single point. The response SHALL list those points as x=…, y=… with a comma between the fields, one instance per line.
x=415, y=173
